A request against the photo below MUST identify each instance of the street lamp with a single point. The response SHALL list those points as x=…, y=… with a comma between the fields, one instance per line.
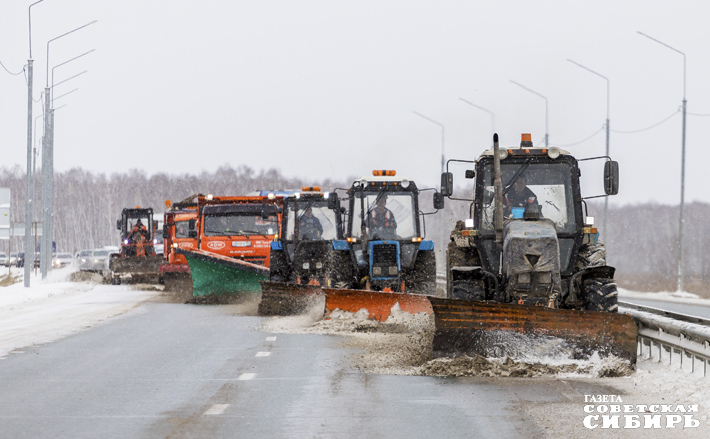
x=606, y=199
x=442, y=136
x=534, y=92
x=61, y=64
x=48, y=171
x=487, y=111
x=29, y=248
x=682, y=170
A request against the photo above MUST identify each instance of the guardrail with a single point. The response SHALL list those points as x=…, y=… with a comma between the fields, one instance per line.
x=671, y=332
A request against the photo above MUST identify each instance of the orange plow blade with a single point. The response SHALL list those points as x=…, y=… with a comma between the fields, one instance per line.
x=379, y=304
x=492, y=329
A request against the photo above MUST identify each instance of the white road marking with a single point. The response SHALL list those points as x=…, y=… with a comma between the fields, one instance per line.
x=263, y=354
x=246, y=376
x=270, y=338
x=217, y=409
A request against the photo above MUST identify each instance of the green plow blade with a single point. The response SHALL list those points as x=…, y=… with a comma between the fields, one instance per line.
x=219, y=275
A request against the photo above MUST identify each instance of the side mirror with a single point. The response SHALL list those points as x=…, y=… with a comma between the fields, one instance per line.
x=118, y=224
x=447, y=184
x=611, y=177
x=333, y=202
x=192, y=233
x=470, y=173
x=438, y=200
x=191, y=224
x=166, y=231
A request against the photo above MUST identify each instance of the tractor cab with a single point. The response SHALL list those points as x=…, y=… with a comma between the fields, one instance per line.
x=137, y=232
x=385, y=234
x=312, y=221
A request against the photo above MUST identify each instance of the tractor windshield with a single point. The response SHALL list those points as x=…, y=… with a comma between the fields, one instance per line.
x=234, y=224
x=548, y=185
x=388, y=215
x=315, y=221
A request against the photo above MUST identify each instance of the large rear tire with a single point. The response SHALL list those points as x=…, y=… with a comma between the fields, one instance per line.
x=601, y=295
x=422, y=277
x=459, y=257
x=590, y=255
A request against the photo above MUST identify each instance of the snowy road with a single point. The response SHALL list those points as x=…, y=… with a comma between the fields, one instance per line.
x=173, y=370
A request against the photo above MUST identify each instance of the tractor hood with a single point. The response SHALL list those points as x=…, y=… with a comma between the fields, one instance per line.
x=530, y=246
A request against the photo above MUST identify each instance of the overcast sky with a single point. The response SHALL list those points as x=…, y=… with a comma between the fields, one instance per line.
x=328, y=88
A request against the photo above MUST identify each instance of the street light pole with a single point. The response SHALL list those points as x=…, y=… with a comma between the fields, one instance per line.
x=682, y=168
x=29, y=248
x=546, y=118
x=48, y=170
x=606, y=199
x=487, y=111
x=442, y=137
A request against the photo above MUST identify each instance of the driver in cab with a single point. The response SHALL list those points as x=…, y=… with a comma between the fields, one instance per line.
x=519, y=195
x=309, y=226
x=381, y=220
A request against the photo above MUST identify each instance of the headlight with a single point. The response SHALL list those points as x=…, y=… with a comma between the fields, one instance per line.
x=553, y=152
x=319, y=265
x=377, y=271
x=393, y=270
x=524, y=278
x=306, y=265
x=404, y=183
x=503, y=153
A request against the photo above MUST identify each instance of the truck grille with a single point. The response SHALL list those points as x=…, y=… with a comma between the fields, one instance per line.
x=384, y=254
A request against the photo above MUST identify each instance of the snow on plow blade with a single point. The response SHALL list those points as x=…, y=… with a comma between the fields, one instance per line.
x=379, y=304
x=218, y=275
x=148, y=266
x=492, y=329
x=283, y=299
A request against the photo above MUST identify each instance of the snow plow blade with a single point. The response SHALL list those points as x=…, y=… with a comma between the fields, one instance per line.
x=490, y=329
x=218, y=275
x=378, y=303
x=138, y=267
x=284, y=299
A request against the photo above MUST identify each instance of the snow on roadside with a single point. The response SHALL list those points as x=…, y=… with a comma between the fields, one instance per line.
x=665, y=296
x=56, y=307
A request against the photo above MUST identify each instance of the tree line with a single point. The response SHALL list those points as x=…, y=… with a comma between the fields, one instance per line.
x=642, y=240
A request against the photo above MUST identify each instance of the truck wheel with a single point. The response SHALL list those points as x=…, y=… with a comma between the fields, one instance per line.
x=115, y=281
x=601, y=295
x=468, y=289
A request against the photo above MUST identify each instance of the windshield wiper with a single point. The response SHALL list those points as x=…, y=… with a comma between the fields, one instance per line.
x=520, y=170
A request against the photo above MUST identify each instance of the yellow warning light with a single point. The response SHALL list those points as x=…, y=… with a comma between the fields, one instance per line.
x=310, y=189
x=526, y=137
x=168, y=204
x=138, y=207
x=351, y=239
x=384, y=173
x=417, y=239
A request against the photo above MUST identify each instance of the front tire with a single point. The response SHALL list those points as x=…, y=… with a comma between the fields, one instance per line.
x=601, y=295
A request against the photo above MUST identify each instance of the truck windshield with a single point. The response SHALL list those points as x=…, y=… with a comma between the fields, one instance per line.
x=234, y=224
x=549, y=184
x=181, y=229
x=316, y=221
x=396, y=221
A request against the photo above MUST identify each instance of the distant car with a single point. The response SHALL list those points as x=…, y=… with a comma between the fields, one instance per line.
x=13, y=259
x=4, y=260
x=20, y=260
x=98, y=261
x=61, y=260
x=82, y=259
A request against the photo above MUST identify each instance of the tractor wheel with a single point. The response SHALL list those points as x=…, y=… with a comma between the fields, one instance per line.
x=278, y=266
x=459, y=257
x=590, y=255
x=601, y=295
x=115, y=281
x=421, y=279
x=468, y=289
x=341, y=271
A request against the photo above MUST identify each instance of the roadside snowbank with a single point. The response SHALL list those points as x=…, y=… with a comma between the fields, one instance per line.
x=56, y=307
x=665, y=296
